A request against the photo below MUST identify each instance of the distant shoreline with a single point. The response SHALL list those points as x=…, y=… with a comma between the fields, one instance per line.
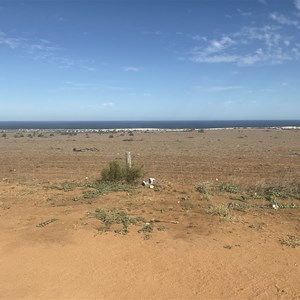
x=146, y=130
x=102, y=126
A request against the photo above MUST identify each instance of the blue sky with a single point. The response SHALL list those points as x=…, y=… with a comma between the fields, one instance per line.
x=149, y=59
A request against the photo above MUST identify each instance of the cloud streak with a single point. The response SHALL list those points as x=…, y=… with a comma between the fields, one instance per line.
x=218, y=88
x=12, y=43
x=283, y=20
x=244, y=13
x=131, y=69
x=264, y=2
x=44, y=51
x=248, y=47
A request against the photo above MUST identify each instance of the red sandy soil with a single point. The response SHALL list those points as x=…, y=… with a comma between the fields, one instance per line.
x=198, y=256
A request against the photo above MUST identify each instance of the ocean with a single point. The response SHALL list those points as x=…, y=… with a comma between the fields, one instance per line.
x=15, y=125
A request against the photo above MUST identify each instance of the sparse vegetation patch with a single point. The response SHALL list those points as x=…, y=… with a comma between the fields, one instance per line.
x=291, y=241
x=219, y=210
x=230, y=188
x=110, y=217
x=45, y=223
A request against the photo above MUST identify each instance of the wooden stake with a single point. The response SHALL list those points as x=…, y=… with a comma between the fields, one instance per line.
x=128, y=159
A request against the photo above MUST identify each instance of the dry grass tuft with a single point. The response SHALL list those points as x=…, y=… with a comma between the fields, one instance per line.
x=291, y=241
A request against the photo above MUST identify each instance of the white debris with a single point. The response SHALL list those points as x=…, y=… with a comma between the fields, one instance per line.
x=149, y=183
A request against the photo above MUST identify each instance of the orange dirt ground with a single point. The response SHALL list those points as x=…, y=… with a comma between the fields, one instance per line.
x=199, y=256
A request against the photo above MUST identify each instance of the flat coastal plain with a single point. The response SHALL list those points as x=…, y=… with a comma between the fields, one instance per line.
x=222, y=221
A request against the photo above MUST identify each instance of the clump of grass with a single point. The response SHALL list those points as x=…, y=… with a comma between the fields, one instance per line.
x=67, y=186
x=116, y=173
x=97, y=188
x=45, y=223
x=109, y=217
x=221, y=210
x=202, y=188
x=161, y=228
x=205, y=190
x=91, y=194
x=102, y=188
x=239, y=206
x=112, y=216
x=281, y=191
x=230, y=188
x=147, y=228
x=291, y=241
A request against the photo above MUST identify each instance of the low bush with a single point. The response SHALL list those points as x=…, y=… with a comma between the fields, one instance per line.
x=116, y=173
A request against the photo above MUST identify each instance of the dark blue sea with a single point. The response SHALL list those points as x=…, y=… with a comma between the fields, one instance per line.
x=146, y=124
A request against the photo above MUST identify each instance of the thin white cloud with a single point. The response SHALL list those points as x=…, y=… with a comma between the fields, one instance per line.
x=264, y=2
x=12, y=43
x=108, y=104
x=146, y=95
x=268, y=90
x=297, y=4
x=219, y=45
x=199, y=38
x=139, y=95
x=97, y=107
x=30, y=46
x=91, y=69
x=218, y=88
x=155, y=32
x=283, y=20
x=59, y=18
x=43, y=50
x=76, y=86
x=244, y=13
x=248, y=47
x=115, y=88
x=131, y=69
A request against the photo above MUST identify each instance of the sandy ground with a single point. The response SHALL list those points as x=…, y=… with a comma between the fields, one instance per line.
x=198, y=255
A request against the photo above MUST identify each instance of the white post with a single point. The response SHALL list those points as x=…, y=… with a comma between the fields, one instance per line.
x=128, y=159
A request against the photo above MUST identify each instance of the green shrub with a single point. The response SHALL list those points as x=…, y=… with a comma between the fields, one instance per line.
x=133, y=174
x=113, y=173
x=116, y=173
